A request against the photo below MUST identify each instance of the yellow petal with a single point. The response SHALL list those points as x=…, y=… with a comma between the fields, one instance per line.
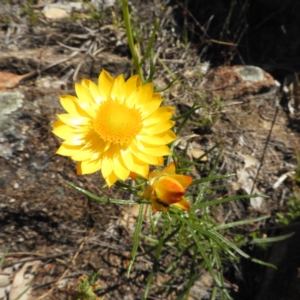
x=96, y=144
x=170, y=169
x=69, y=104
x=76, y=141
x=111, y=179
x=118, y=89
x=80, y=138
x=82, y=154
x=183, y=204
x=65, y=132
x=105, y=84
x=141, y=96
x=159, y=128
x=153, y=176
x=160, y=161
x=143, y=157
x=96, y=94
x=153, y=150
x=132, y=84
x=107, y=166
x=154, y=140
x=133, y=164
x=127, y=159
x=75, y=121
x=60, y=125
x=168, y=136
x=184, y=180
x=151, y=106
x=140, y=167
x=85, y=83
x=161, y=115
x=144, y=95
x=88, y=166
x=120, y=170
x=83, y=95
x=67, y=150
x=131, y=100
x=158, y=151
x=85, y=99
x=62, y=131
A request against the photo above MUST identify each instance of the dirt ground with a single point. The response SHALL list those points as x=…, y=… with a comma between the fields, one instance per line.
x=64, y=234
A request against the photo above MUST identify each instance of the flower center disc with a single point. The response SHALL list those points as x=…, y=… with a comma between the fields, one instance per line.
x=117, y=123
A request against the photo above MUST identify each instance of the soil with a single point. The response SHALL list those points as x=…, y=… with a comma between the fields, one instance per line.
x=42, y=219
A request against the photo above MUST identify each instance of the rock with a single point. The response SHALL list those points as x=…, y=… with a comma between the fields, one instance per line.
x=231, y=82
x=9, y=102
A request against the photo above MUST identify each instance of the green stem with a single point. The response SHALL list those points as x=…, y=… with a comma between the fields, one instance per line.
x=130, y=39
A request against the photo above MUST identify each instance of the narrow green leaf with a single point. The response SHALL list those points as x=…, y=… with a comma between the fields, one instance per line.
x=136, y=236
x=103, y=199
x=228, y=199
x=23, y=292
x=218, y=263
x=130, y=39
x=263, y=263
x=148, y=285
x=153, y=228
x=212, y=178
x=214, y=293
x=182, y=159
x=187, y=114
x=174, y=77
x=151, y=42
x=192, y=227
x=219, y=241
x=152, y=67
x=157, y=256
x=219, y=238
x=213, y=169
x=164, y=89
x=216, y=237
x=240, y=223
x=272, y=239
x=205, y=258
x=200, y=196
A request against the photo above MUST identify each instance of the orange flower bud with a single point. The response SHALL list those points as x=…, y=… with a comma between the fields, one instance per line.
x=167, y=188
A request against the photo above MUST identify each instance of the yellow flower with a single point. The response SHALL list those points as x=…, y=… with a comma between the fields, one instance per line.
x=117, y=127
x=167, y=188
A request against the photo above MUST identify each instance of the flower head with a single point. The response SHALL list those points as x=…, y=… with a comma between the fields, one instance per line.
x=167, y=188
x=117, y=127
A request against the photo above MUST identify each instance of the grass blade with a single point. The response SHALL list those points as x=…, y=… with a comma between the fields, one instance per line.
x=228, y=199
x=151, y=42
x=240, y=223
x=136, y=236
x=101, y=199
x=272, y=239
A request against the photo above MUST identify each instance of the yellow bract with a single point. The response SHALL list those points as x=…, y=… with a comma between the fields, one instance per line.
x=117, y=127
x=167, y=188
